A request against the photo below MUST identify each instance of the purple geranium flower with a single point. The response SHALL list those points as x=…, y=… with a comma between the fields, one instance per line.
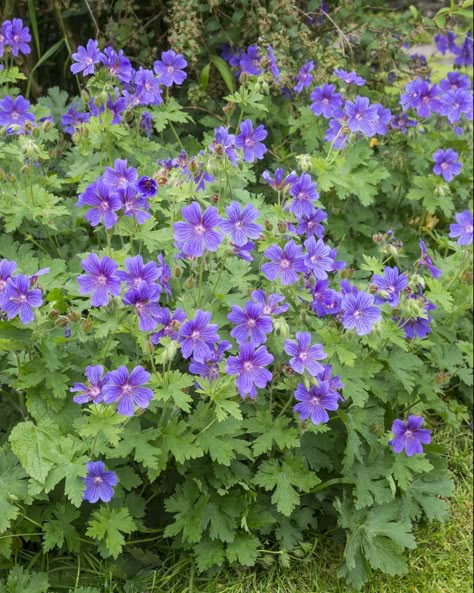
x=197, y=336
x=170, y=68
x=285, y=263
x=224, y=144
x=446, y=164
x=164, y=274
x=402, y=122
x=359, y=312
x=4, y=31
x=389, y=286
x=303, y=355
x=384, y=118
x=250, y=141
x=100, y=279
x=425, y=261
x=209, y=368
x=120, y=175
x=86, y=58
x=249, y=366
x=19, y=298
x=272, y=64
x=304, y=78
x=240, y=223
x=361, y=116
x=326, y=101
x=454, y=81
x=145, y=301
x=170, y=323
x=337, y=134
x=410, y=436
x=250, y=61
x=270, y=304
x=134, y=204
x=455, y=103
x=251, y=324
x=464, y=53
x=138, y=274
x=462, y=228
x=280, y=181
x=197, y=232
x=99, y=483
x=304, y=194
x=318, y=258
x=14, y=112
x=349, y=77
x=117, y=64
x=148, y=88
x=17, y=37
x=445, y=42
x=334, y=381
x=244, y=251
x=147, y=186
x=326, y=301
x=73, y=118
x=105, y=202
x=314, y=402
x=127, y=389
x=92, y=391
x=421, y=96
x=311, y=225
x=6, y=270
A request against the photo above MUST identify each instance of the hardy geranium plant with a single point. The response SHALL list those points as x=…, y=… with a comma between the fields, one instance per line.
x=231, y=329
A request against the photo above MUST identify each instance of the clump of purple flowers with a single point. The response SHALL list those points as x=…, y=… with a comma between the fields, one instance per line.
x=197, y=232
x=127, y=389
x=249, y=365
x=409, y=436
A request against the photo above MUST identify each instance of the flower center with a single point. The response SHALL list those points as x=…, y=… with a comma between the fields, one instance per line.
x=98, y=480
x=251, y=322
x=267, y=310
x=101, y=279
x=200, y=229
x=127, y=388
x=444, y=165
x=315, y=400
x=357, y=313
x=170, y=69
x=285, y=263
x=303, y=356
x=248, y=366
x=196, y=335
x=408, y=434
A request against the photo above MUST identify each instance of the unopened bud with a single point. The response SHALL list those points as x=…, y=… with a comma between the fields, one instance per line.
x=215, y=198
x=47, y=125
x=87, y=325
x=169, y=352
x=149, y=347
x=441, y=378
x=25, y=169
x=53, y=314
x=74, y=316
x=347, y=272
x=189, y=282
x=11, y=177
x=377, y=238
x=177, y=272
x=268, y=225
x=62, y=321
x=85, y=96
x=282, y=227
x=36, y=133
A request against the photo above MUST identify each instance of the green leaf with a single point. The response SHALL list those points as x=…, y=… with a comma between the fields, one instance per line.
x=58, y=530
x=20, y=580
x=108, y=525
x=188, y=506
x=405, y=367
x=13, y=487
x=32, y=447
x=222, y=443
x=224, y=71
x=271, y=430
x=208, y=554
x=243, y=549
x=173, y=388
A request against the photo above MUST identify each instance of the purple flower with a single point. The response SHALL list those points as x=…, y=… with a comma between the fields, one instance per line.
x=249, y=140
x=250, y=61
x=209, y=368
x=334, y=382
x=326, y=101
x=446, y=164
x=240, y=223
x=361, y=116
x=197, y=232
x=224, y=144
x=462, y=228
x=311, y=225
x=134, y=204
x=285, y=263
x=146, y=123
x=249, y=366
x=6, y=270
x=148, y=88
x=14, y=112
x=455, y=81
x=410, y=436
x=326, y=301
x=389, y=286
x=251, y=324
x=359, y=312
x=100, y=279
x=17, y=37
x=420, y=96
x=99, y=483
x=105, y=202
x=314, y=402
x=147, y=186
x=120, y=175
x=270, y=304
x=197, y=336
x=92, y=391
x=272, y=63
x=73, y=118
x=402, y=122
x=425, y=261
x=19, y=299
x=86, y=58
x=280, y=181
x=170, y=324
x=304, y=194
x=170, y=68
x=318, y=258
x=384, y=118
x=244, y=251
x=464, y=53
x=231, y=55
x=337, y=134
x=445, y=42
x=4, y=31
x=144, y=299
x=117, y=64
x=138, y=274
x=349, y=77
x=303, y=355
x=127, y=389
x=164, y=274
x=454, y=103
x=304, y=78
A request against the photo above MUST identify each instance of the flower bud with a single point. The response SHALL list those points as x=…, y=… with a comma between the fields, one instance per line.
x=87, y=325
x=25, y=169
x=67, y=332
x=11, y=177
x=149, y=346
x=347, y=272
x=177, y=272
x=169, y=352
x=304, y=161
x=268, y=225
x=2, y=175
x=441, y=378
x=36, y=133
x=76, y=137
x=281, y=327
x=215, y=198
x=85, y=96
x=282, y=227
x=377, y=238
x=189, y=282
x=47, y=125
x=53, y=314
x=74, y=316
x=62, y=321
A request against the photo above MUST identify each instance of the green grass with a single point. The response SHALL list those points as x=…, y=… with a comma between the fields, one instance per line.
x=442, y=562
